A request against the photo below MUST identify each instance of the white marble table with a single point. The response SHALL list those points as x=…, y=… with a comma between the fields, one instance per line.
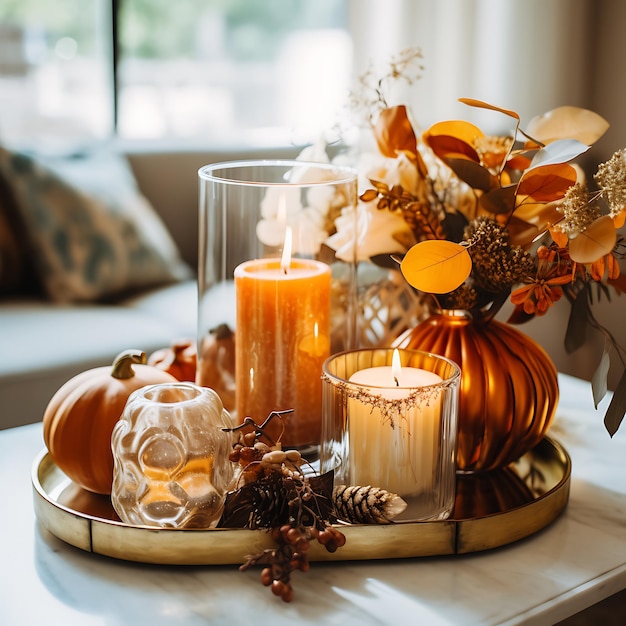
x=575, y=562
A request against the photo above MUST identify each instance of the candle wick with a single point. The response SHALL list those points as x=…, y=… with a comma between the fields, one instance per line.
x=395, y=380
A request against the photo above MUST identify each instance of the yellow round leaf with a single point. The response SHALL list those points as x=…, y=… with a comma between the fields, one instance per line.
x=595, y=242
x=436, y=266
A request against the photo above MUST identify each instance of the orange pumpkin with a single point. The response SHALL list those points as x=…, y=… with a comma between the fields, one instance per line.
x=179, y=360
x=79, y=419
x=216, y=365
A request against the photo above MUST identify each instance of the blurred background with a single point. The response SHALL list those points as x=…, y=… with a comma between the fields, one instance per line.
x=243, y=73
x=279, y=71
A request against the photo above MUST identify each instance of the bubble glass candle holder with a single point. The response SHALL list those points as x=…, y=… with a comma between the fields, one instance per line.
x=170, y=454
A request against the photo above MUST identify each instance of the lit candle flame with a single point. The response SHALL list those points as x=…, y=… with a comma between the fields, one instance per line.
x=396, y=367
x=285, y=260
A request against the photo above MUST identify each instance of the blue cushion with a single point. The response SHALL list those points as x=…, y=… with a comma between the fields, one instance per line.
x=91, y=234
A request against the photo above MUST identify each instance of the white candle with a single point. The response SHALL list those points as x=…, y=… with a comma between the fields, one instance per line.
x=394, y=429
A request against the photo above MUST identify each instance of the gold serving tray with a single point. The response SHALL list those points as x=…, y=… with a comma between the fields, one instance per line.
x=492, y=509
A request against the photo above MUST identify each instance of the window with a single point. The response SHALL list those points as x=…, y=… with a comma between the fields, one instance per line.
x=205, y=70
x=55, y=71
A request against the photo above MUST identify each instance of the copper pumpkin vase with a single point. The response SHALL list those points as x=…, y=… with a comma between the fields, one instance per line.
x=509, y=386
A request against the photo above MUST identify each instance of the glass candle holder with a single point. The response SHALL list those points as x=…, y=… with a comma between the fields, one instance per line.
x=390, y=421
x=288, y=315
x=170, y=453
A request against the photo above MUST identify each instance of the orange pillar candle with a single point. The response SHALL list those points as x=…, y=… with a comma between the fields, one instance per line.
x=282, y=340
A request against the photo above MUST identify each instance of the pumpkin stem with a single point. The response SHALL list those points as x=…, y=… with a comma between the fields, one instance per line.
x=223, y=331
x=123, y=363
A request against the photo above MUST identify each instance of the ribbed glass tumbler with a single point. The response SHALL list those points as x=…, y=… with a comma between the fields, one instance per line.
x=390, y=421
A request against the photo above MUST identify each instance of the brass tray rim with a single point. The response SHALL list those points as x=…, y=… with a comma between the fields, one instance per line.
x=428, y=538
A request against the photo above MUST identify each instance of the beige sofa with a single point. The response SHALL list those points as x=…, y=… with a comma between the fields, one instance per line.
x=44, y=342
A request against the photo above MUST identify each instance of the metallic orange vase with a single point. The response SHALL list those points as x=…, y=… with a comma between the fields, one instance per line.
x=509, y=386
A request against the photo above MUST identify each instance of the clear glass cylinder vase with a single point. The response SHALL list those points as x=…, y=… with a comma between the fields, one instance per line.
x=390, y=421
x=286, y=310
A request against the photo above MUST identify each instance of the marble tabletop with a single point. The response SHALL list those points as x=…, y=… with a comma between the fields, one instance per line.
x=575, y=562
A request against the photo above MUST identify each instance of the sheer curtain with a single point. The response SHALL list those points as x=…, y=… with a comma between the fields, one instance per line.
x=526, y=55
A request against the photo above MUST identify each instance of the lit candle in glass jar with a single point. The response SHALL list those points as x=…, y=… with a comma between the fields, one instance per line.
x=393, y=429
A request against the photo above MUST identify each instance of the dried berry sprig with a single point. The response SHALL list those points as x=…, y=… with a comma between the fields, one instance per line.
x=290, y=555
x=278, y=496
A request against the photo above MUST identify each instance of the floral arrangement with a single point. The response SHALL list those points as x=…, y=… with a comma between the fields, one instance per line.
x=475, y=220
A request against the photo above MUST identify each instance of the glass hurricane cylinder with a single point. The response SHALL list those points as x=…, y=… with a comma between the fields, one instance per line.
x=393, y=429
x=262, y=342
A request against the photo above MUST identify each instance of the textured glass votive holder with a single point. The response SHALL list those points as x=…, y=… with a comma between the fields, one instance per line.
x=393, y=427
x=170, y=452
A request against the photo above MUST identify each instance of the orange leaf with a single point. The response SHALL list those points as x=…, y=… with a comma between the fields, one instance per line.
x=519, y=162
x=446, y=147
x=436, y=266
x=462, y=130
x=547, y=183
x=596, y=241
x=497, y=201
x=368, y=195
x=521, y=233
x=485, y=105
x=619, y=219
x=542, y=215
x=394, y=132
x=474, y=174
x=559, y=238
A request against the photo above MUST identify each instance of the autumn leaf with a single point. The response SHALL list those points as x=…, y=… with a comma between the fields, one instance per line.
x=617, y=407
x=453, y=139
x=599, y=382
x=497, y=201
x=547, y=183
x=475, y=175
x=519, y=161
x=436, y=266
x=521, y=232
x=394, y=132
x=596, y=241
x=448, y=148
x=567, y=122
x=369, y=195
x=579, y=315
x=559, y=151
x=485, y=105
x=560, y=238
x=541, y=215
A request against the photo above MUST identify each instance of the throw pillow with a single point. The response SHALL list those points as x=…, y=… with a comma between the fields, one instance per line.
x=92, y=234
x=16, y=275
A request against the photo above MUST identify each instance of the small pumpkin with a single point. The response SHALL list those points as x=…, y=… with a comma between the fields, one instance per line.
x=216, y=365
x=179, y=360
x=79, y=419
